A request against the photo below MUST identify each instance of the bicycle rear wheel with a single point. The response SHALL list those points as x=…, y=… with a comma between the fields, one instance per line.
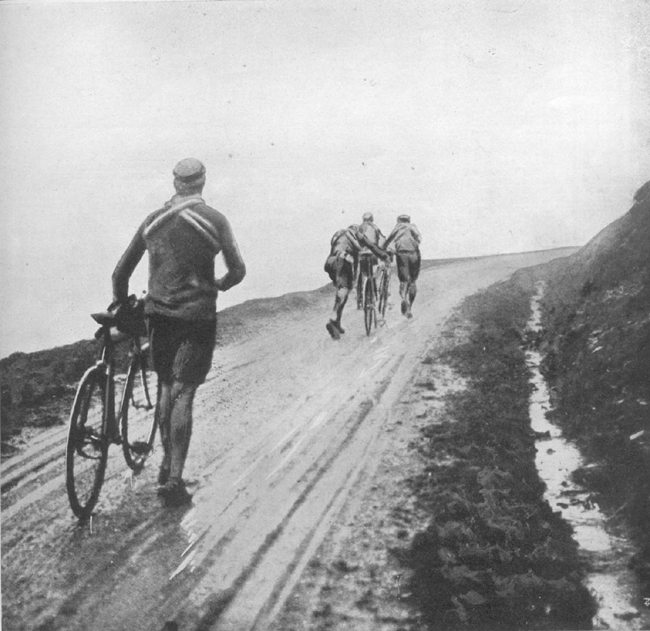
x=137, y=412
x=87, y=448
x=369, y=314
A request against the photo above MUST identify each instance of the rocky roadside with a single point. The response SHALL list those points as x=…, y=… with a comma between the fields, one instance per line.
x=453, y=531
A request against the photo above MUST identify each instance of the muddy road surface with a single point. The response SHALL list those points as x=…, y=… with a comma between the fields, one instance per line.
x=286, y=424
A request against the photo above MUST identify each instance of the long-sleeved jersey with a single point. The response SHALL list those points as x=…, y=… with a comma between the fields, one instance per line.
x=406, y=236
x=369, y=230
x=182, y=238
x=348, y=243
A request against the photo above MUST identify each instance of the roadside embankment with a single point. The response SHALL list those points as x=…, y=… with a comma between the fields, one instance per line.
x=494, y=555
x=596, y=342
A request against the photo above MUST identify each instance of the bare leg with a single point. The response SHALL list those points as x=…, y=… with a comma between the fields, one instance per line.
x=403, y=290
x=409, y=296
x=163, y=411
x=334, y=325
x=339, y=303
x=413, y=291
x=180, y=426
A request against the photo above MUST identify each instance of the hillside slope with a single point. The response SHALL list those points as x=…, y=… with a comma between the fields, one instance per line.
x=597, y=345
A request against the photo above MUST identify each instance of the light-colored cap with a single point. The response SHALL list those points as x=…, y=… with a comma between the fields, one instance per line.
x=189, y=170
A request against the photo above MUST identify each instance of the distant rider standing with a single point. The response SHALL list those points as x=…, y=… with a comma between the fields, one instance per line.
x=407, y=239
x=183, y=239
x=340, y=265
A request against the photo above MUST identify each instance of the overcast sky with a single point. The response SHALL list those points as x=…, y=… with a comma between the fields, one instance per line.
x=499, y=125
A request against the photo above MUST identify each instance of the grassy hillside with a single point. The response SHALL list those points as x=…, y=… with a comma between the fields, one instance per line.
x=597, y=345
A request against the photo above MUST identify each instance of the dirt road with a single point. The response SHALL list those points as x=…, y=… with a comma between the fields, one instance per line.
x=289, y=429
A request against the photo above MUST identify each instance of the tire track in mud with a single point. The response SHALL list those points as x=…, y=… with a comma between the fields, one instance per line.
x=248, y=536
x=286, y=446
x=283, y=428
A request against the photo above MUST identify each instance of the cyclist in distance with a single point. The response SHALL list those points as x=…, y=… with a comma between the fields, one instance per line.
x=373, y=234
x=182, y=238
x=341, y=265
x=407, y=239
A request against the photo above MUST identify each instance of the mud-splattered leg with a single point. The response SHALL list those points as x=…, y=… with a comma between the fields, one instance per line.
x=180, y=426
x=163, y=411
x=334, y=325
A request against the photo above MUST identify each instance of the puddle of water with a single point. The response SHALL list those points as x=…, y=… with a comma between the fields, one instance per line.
x=609, y=579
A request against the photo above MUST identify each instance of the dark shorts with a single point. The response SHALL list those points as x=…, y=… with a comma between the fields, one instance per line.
x=341, y=271
x=181, y=350
x=408, y=266
x=367, y=262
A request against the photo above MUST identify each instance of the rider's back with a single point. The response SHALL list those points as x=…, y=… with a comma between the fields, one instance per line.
x=370, y=231
x=406, y=237
x=182, y=239
x=181, y=262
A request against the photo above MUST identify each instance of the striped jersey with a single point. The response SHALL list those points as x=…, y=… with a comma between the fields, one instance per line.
x=182, y=239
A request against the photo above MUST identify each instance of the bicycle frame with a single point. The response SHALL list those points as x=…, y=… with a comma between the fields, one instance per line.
x=368, y=298
x=88, y=441
x=107, y=362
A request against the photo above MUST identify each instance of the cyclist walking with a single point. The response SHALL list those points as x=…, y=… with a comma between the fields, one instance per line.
x=182, y=238
x=341, y=265
x=407, y=239
x=373, y=234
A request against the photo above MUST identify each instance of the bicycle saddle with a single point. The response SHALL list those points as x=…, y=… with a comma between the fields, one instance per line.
x=105, y=318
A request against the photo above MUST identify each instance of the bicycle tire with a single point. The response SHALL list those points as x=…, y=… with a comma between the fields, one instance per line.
x=138, y=422
x=369, y=315
x=383, y=292
x=87, y=446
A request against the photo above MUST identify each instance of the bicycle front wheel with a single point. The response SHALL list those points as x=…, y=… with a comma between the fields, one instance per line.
x=383, y=292
x=87, y=448
x=137, y=412
x=369, y=314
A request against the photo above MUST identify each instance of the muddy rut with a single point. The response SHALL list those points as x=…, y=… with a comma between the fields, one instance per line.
x=284, y=426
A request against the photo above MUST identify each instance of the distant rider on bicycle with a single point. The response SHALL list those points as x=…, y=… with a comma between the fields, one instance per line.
x=182, y=238
x=341, y=265
x=373, y=234
x=407, y=239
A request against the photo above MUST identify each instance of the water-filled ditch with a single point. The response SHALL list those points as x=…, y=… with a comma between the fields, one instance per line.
x=606, y=554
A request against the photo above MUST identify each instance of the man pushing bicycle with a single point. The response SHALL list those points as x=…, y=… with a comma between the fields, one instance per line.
x=341, y=264
x=182, y=238
x=373, y=234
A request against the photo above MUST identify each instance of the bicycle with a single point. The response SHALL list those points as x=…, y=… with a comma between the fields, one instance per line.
x=368, y=293
x=93, y=421
x=384, y=288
